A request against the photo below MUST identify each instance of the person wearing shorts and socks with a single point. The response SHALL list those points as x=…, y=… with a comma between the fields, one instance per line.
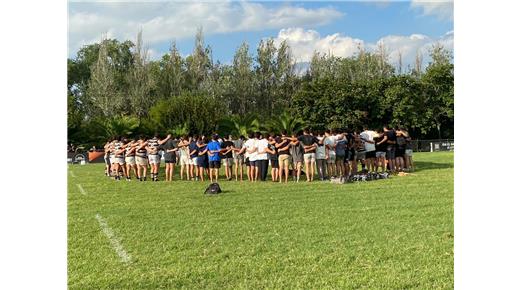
x=184, y=157
x=297, y=151
x=273, y=158
x=202, y=160
x=238, y=157
x=141, y=158
x=321, y=158
x=370, y=148
x=130, y=159
x=153, y=155
x=250, y=146
x=284, y=158
x=400, y=148
x=227, y=156
x=358, y=151
x=309, y=143
x=408, y=152
x=214, y=158
x=170, y=158
x=390, y=139
x=330, y=153
x=194, y=154
x=380, y=151
x=119, y=158
x=341, y=154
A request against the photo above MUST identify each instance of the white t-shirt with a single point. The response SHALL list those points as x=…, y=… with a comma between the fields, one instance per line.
x=331, y=141
x=320, y=150
x=261, y=145
x=250, y=143
x=368, y=136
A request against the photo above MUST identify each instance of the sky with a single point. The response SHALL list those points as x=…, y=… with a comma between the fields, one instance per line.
x=336, y=27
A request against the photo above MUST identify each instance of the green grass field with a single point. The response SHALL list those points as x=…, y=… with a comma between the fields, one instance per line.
x=384, y=234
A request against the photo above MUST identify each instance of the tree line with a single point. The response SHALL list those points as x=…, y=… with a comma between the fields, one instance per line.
x=115, y=89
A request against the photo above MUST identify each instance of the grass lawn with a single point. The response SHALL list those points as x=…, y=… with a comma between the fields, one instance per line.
x=392, y=234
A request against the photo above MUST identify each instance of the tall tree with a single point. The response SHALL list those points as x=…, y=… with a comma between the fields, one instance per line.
x=265, y=74
x=140, y=81
x=104, y=99
x=242, y=81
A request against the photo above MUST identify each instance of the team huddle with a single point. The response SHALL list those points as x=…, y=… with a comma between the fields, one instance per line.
x=328, y=154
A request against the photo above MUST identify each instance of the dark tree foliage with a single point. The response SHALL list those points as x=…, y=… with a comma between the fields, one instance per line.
x=193, y=94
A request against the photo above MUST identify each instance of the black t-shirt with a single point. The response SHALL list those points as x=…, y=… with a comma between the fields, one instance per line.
x=390, y=134
x=169, y=145
x=382, y=147
x=284, y=144
x=226, y=144
x=308, y=140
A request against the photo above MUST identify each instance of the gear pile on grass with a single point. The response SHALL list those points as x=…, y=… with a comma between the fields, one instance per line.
x=363, y=177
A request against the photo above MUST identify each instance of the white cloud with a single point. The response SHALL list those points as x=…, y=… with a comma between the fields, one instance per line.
x=443, y=9
x=166, y=21
x=303, y=43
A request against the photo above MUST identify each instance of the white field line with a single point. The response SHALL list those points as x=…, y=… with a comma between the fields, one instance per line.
x=81, y=189
x=125, y=257
x=72, y=174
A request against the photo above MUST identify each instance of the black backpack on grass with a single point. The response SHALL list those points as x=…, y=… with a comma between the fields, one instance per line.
x=213, y=188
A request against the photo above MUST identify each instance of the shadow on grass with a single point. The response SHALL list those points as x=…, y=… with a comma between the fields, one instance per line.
x=421, y=165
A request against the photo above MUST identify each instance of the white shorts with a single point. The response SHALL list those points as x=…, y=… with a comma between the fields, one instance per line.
x=154, y=159
x=408, y=152
x=130, y=160
x=112, y=159
x=309, y=157
x=142, y=161
x=185, y=160
x=193, y=161
x=331, y=159
x=119, y=160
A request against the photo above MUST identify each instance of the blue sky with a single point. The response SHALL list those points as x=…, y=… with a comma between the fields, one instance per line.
x=336, y=27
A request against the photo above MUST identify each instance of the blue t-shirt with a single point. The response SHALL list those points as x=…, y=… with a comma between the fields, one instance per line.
x=193, y=146
x=213, y=146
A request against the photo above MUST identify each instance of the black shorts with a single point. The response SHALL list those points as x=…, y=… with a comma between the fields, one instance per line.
x=399, y=153
x=214, y=164
x=351, y=155
x=170, y=161
x=370, y=154
x=274, y=163
x=252, y=163
x=247, y=161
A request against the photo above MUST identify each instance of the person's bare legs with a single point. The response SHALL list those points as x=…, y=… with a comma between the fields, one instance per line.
x=298, y=171
x=307, y=171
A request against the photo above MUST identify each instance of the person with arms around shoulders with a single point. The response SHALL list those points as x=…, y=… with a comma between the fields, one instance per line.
x=309, y=143
x=262, y=160
x=214, y=158
x=370, y=148
x=282, y=144
x=330, y=153
x=202, y=160
x=130, y=159
x=321, y=158
x=193, y=155
x=153, y=155
x=251, y=152
x=389, y=139
x=170, y=157
x=227, y=156
x=296, y=150
x=238, y=157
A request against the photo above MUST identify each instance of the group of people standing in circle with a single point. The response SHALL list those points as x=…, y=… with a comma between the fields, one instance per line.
x=321, y=154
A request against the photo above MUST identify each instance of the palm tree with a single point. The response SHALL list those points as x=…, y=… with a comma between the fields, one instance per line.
x=286, y=122
x=116, y=126
x=237, y=125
